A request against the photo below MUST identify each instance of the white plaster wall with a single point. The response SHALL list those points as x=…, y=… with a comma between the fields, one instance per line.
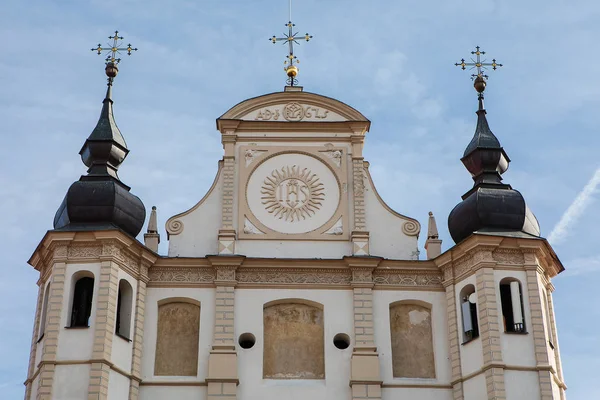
x=206, y=297
x=76, y=344
x=293, y=249
x=381, y=317
x=118, y=386
x=121, y=348
x=200, y=228
x=517, y=349
x=416, y=393
x=386, y=238
x=338, y=318
x=522, y=385
x=476, y=388
x=471, y=353
x=71, y=382
x=174, y=392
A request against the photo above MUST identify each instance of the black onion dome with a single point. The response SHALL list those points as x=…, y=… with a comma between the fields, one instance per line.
x=99, y=200
x=490, y=206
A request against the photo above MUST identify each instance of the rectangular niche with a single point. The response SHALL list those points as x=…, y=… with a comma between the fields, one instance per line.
x=177, y=338
x=293, y=341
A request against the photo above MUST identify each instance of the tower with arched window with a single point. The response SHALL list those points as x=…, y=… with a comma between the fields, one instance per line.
x=292, y=278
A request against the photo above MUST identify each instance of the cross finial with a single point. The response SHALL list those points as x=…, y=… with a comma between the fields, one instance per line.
x=112, y=51
x=291, y=60
x=480, y=78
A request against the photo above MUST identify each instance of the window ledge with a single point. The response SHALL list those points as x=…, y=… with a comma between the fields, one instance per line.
x=517, y=333
x=469, y=341
x=123, y=337
x=76, y=327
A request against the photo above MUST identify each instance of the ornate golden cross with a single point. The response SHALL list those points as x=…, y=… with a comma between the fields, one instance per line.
x=114, y=49
x=291, y=38
x=478, y=63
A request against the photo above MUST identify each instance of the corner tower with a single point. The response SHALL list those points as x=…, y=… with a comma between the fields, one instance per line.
x=501, y=325
x=88, y=330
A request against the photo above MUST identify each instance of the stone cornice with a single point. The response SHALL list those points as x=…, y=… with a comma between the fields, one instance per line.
x=95, y=246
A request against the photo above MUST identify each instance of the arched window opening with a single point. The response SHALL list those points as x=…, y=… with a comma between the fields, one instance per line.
x=294, y=342
x=412, y=340
x=511, y=298
x=82, y=302
x=124, y=308
x=177, y=339
x=468, y=299
x=44, y=312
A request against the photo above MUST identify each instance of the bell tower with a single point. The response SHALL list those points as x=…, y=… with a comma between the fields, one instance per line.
x=93, y=272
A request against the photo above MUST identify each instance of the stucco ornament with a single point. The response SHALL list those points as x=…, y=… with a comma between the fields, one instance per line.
x=174, y=227
x=411, y=228
x=292, y=193
x=293, y=112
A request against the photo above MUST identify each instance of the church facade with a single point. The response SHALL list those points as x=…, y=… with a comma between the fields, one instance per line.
x=292, y=278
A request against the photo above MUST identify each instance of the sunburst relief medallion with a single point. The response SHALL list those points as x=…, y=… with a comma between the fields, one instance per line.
x=292, y=193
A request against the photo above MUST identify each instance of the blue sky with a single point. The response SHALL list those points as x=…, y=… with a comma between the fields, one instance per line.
x=392, y=60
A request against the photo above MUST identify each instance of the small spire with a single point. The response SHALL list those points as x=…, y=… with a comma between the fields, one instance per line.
x=152, y=237
x=152, y=224
x=433, y=245
x=432, y=230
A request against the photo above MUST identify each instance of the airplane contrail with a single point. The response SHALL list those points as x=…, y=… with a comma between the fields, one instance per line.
x=577, y=207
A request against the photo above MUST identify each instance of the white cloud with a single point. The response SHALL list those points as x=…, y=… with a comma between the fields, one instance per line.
x=582, y=201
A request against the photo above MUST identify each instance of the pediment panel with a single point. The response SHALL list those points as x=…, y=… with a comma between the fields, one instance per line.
x=298, y=193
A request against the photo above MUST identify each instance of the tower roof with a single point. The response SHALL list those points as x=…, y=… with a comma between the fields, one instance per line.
x=490, y=206
x=99, y=200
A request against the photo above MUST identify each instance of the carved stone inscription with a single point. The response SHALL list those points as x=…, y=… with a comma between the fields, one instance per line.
x=294, y=342
x=291, y=112
x=177, y=339
x=412, y=341
x=292, y=193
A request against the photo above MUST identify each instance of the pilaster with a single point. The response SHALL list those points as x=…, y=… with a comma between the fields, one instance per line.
x=34, y=340
x=490, y=333
x=365, y=380
x=537, y=328
x=104, y=330
x=227, y=233
x=53, y=325
x=222, y=379
x=138, y=334
x=559, y=373
x=453, y=335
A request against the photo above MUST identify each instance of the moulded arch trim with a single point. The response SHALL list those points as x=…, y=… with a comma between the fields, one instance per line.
x=508, y=279
x=293, y=301
x=463, y=290
x=82, y=273
x=413, y=302
x=170, y=300
x=388, y=208
x=172, y=223
x=247, y=106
